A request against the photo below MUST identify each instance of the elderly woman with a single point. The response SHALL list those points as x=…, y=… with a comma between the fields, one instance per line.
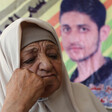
x=30, y=58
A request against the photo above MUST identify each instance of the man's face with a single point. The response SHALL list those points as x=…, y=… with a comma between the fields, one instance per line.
x=80, y=36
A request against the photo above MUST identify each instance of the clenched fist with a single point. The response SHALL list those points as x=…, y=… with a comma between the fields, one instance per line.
x=23, y=90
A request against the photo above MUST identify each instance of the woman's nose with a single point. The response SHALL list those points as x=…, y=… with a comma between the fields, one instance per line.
x=42, y=65
x=45, y=64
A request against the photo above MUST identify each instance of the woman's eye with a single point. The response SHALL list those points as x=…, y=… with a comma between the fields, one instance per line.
x=30, y=60
x=53, y=56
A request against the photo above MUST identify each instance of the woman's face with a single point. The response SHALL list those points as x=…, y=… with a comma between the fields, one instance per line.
x=43, y=58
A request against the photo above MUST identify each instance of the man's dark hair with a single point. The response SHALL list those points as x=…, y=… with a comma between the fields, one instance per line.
x=93, y=8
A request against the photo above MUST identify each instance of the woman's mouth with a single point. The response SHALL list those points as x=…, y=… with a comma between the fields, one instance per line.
x=51, y=75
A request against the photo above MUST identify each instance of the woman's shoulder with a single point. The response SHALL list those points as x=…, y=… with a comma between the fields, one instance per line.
x=79, y=87
x=82, y=91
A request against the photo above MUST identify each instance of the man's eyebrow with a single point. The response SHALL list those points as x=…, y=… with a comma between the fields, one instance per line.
x=65, y=25
x=83, y=25
x=79, y=25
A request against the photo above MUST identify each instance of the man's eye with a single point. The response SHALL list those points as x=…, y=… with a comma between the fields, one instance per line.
x=66, y=29
x=83, y=29
x=30, y=60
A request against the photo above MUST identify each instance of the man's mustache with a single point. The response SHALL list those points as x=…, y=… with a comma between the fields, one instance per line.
x=75, y=46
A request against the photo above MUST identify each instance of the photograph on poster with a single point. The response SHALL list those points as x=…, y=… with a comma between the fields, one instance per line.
x=83, y=31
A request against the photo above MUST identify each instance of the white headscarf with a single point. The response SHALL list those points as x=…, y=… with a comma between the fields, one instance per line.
x=70, y=97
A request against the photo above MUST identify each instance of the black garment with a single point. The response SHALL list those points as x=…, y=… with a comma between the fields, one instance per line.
x=97, y=77
x=100, y=82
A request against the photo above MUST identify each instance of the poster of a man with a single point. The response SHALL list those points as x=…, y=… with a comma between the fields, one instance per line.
x=83, y=30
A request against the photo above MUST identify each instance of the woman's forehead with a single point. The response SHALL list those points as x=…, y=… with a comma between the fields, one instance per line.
x=46, y=44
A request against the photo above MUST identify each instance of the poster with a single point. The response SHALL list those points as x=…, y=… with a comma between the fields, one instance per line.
x=49, y=11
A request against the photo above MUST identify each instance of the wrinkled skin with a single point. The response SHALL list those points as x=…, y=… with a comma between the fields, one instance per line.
x=39, y=75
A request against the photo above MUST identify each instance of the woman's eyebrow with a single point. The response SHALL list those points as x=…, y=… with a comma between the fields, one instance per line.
x=50, y=46
x=30, y=50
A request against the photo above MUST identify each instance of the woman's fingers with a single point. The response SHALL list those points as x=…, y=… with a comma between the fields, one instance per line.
x=25, y=88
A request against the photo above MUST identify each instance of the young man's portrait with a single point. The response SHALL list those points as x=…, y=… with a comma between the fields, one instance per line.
x=83, y=30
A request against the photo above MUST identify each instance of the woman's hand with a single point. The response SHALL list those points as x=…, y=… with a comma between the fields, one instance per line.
x=23, y=90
